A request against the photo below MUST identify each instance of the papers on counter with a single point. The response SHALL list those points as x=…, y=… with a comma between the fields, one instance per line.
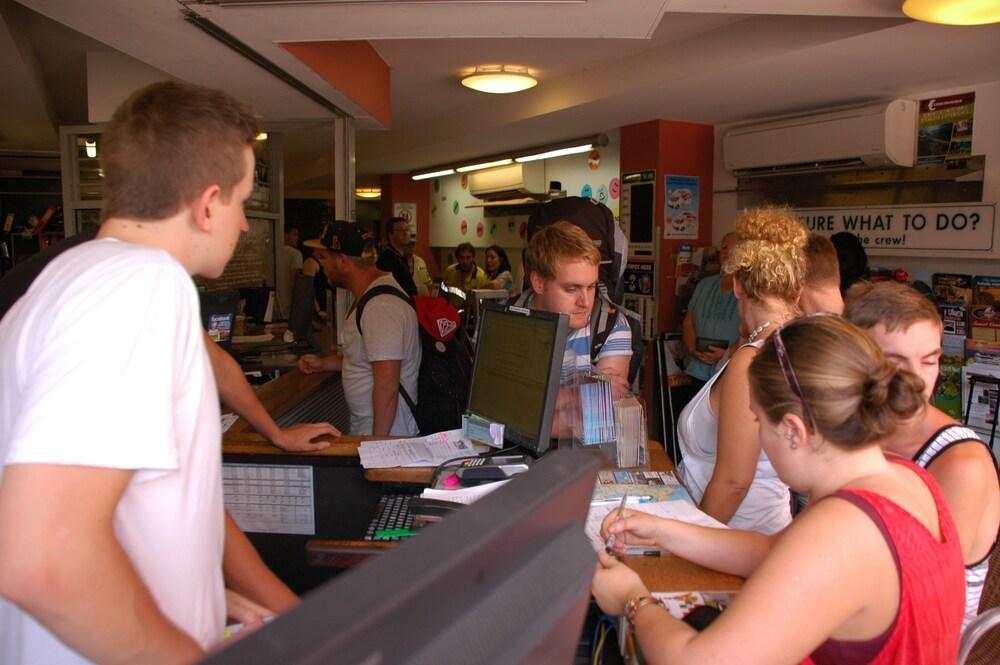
x=464, y=495
x=228, y=420
x=684, y=511
x=429, y=450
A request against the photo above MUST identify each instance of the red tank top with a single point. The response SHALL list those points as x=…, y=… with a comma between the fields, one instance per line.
x=931, y=581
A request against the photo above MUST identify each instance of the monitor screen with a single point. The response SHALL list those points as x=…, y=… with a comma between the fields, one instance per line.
x=515, y=378
x=505, y=580
x=300, y=314
x=218, y=313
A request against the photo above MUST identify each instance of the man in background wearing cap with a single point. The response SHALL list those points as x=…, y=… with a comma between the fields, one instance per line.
x=374, y=364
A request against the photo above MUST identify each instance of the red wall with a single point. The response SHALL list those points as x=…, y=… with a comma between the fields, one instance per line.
x=400, y=188
x=672, y=148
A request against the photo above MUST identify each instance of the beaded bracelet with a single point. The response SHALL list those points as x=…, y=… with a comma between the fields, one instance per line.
x=635, y=603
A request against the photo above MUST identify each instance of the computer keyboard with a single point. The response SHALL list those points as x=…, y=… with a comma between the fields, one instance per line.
x=392, y=513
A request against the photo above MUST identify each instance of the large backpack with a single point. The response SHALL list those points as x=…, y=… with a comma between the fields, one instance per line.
x=445, y=362
x=597, y=220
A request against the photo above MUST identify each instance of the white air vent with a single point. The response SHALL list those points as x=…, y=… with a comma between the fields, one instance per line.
x=508, y=182
x=876, y=135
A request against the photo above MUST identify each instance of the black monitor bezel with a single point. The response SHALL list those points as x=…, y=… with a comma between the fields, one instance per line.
x=537, y=442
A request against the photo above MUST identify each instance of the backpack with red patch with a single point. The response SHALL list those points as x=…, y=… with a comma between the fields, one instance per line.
x=598, y=222
x=445, y=362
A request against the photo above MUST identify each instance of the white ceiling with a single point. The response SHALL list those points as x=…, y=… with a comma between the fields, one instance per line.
x=601, y=64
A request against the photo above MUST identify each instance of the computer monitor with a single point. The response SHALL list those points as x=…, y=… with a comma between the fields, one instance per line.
x=300, y=314
x=515, y=376
x=477, y=298
x=218, y=313
x=505, y=580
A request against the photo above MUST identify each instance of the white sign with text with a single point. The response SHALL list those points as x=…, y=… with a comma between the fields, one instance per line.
x=953, y=229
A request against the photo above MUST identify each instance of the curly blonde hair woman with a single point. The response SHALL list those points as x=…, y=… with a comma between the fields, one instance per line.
x=723, y=465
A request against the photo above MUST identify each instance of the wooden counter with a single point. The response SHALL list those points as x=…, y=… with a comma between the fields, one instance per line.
x=242, y=444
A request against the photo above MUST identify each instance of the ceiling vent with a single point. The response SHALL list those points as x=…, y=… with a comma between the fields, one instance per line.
x=871, y=136
x=516, y=181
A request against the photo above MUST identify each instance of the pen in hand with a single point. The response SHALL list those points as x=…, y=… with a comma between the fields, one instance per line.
x=610, y=541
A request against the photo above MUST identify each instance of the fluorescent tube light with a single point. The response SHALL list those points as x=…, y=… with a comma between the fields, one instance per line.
x=555, y=153
x=484, y=165
x=433, y=174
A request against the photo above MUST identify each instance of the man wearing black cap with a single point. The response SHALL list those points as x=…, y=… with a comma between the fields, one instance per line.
x=385, y=353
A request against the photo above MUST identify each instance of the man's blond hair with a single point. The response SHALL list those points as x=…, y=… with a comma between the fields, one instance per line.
x=557, y=242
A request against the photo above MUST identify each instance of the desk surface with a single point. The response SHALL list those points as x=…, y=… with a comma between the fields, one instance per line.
x=666, y=573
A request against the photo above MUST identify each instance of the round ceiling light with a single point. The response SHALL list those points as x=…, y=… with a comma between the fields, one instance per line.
x=499, y=79
x=953, y=12
x=368, y=192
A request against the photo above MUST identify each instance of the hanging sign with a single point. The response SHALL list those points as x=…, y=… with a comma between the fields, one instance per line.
x=953, y=229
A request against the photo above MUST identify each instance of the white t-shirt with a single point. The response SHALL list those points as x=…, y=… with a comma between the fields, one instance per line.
x=390, y=333
x=103, y=363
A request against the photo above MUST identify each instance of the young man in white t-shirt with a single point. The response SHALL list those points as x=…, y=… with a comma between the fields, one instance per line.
x=112, y=532
x=382, y=351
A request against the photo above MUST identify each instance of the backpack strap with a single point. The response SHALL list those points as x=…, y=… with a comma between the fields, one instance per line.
x=603, y=317
x=377, y=291
x=359, y=309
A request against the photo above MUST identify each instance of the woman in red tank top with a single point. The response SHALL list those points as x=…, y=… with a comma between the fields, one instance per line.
x=871, y=572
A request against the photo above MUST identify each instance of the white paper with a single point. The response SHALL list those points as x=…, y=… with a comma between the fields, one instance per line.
x=683, y=511
x=270, y=498
x=464, y=495
x=228, y=420
x=429, y=450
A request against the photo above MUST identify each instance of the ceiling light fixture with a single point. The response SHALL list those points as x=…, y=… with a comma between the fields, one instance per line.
x=433, y=174
x=499, y=79
x=953, y=12
x=368, y=192
x=484, y=165
x=526, y=155
x=556, y=153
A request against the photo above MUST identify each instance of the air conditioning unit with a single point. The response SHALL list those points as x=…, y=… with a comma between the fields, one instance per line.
x=875, y=135
x=510, y=182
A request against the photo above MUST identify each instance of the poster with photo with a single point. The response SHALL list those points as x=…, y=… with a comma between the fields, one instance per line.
x=944, y=128
x=680, y=206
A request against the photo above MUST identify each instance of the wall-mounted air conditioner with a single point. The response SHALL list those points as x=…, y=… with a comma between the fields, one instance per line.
x=875, y=135
x=509, y=182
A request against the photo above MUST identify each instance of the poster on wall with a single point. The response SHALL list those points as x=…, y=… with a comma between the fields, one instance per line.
x=407, y=211
x=680, y=206
x=954, y=229
x=944, y=129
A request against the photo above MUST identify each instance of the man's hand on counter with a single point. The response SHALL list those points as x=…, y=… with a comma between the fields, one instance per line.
x=311, y=363
x=299, y=438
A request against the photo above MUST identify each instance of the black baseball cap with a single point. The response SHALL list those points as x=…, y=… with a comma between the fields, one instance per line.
x=344, y=237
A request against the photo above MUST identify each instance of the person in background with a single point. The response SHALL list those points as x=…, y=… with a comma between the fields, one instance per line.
x=381, y=352
x=907, y=327
x=821, y=288
x=852, y=259
x=418, y=270
x=712, y=323
x=391, y=259
x=871, y=572
x=723, y=465
x=109, y=422
x=289, y=267
x=465, y=274
x=498, y=270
